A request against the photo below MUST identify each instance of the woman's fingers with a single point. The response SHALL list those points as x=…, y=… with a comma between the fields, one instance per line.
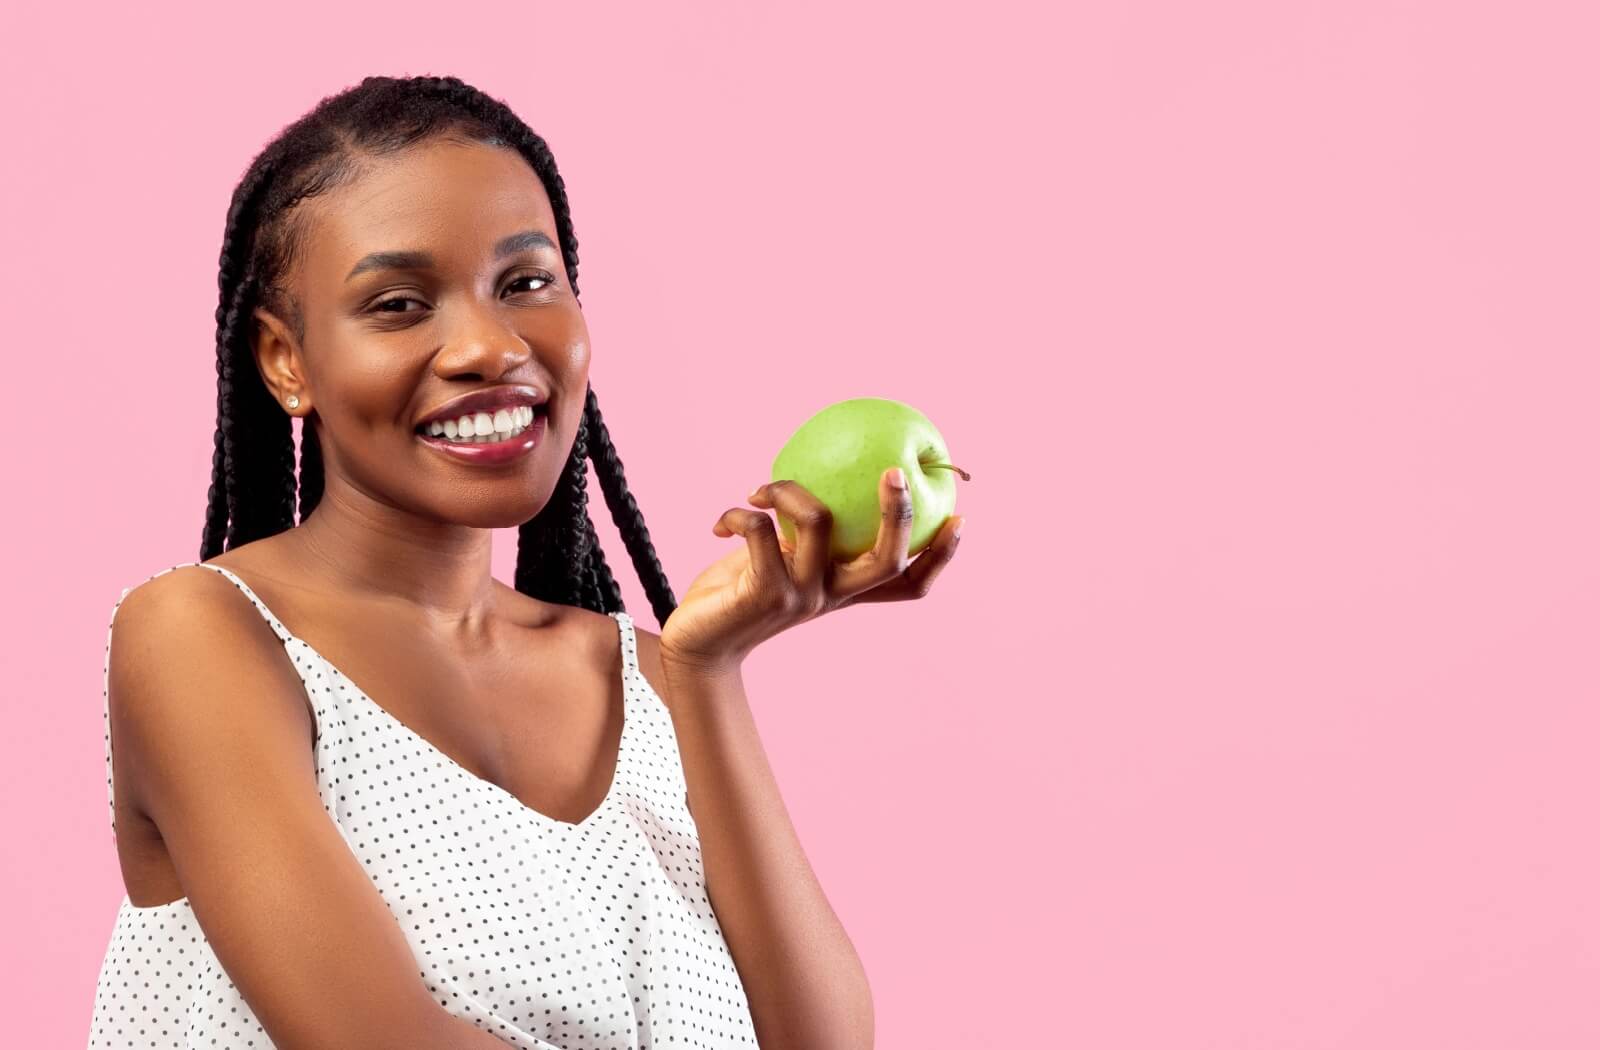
x=888, y=557
x=917, y=579
x=885, y=573
x=813, y=524
x=761, y=537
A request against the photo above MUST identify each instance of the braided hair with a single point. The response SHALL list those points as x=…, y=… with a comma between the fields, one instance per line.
x=254, y=488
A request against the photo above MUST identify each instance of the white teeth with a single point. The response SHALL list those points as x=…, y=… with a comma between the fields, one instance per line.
x=481, y=427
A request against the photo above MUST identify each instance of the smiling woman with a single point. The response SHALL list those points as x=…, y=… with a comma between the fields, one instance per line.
x=310, y=864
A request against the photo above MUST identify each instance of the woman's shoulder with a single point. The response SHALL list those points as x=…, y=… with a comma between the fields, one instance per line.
x=191, y=578
x=189, y=614
x=173, y=590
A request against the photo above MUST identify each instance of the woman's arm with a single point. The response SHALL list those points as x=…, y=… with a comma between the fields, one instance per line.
x=212, y=737
x=803, y=979
x=805, y=983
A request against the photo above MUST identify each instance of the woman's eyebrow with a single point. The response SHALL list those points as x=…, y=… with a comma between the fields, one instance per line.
x=408, y=260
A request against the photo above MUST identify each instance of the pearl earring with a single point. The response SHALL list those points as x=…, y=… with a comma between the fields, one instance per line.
x=294, y=402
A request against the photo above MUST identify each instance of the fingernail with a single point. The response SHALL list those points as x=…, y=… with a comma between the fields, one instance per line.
x=961, y=523
x=897, y=478
x=755, y=492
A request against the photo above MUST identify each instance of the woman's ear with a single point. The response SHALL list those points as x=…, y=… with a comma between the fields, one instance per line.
x=277, y=357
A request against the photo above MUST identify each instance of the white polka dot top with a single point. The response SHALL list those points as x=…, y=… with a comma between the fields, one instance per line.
x=547, y=934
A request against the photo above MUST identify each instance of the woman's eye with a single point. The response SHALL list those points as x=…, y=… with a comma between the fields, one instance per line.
x=546, y=278
x=378, y=306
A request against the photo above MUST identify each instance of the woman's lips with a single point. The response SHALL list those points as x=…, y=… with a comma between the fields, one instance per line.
x=491, y=453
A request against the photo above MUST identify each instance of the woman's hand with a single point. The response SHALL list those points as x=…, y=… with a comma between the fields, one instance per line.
x=765, y=586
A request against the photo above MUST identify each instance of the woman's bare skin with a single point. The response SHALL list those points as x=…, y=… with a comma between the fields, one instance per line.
x=537, y=709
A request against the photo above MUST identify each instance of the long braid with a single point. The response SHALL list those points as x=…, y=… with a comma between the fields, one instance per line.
x=310, y=471
x=216, y=526
x=603, y=583
x=234, y=259
x=625, y=512
x=574, y=524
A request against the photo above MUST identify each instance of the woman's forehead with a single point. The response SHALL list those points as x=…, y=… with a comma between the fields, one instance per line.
x=445, y=201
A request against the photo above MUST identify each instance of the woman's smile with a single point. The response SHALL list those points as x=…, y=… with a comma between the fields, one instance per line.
x=494, y=439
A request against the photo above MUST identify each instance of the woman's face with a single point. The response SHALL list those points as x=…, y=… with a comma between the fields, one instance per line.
x=388, y=346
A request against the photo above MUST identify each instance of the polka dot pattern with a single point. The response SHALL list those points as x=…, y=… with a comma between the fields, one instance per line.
x=549, y=934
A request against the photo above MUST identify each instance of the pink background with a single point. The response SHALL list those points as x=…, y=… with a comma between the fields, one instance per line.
x=1259, y=708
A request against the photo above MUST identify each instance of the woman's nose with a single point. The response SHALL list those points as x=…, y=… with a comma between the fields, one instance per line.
x=484, y=346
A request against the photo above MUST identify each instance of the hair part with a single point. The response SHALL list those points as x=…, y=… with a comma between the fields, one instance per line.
x=255, y=489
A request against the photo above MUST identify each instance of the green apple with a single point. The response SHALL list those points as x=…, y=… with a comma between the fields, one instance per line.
x=841, y=452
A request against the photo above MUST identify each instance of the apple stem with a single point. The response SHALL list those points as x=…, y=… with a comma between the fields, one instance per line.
x=948, y=466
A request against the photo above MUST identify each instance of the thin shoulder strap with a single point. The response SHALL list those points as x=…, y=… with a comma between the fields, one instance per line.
x=105, y=687
x=630, y=644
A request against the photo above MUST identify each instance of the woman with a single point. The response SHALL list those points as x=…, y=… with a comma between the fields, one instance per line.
x=511, y=856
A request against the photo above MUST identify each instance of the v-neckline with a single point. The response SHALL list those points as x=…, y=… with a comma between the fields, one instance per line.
x=493, y=788
x=432, y=749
